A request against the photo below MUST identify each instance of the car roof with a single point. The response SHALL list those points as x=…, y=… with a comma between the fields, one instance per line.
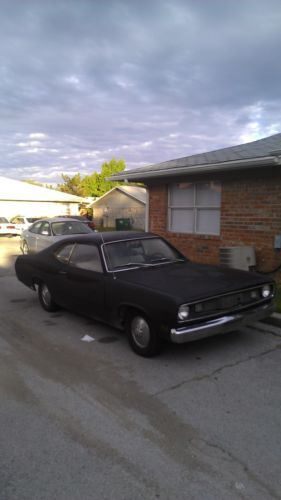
x=109, y=236
x=58, y=219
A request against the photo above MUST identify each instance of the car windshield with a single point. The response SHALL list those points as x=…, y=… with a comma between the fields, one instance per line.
x=3, y=220
x=70, y=227
x=139, y=253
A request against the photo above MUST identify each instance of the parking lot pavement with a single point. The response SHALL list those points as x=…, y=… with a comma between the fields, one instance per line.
x=95, y=421
x=9, y=249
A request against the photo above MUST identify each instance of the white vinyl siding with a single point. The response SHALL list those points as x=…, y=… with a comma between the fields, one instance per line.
x=195, y=208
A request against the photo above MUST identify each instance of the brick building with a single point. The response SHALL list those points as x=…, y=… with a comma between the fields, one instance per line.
x=220, y=199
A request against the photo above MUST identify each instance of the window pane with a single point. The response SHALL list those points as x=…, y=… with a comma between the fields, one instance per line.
x=45, y=229
x=70, y=227
x=35, y=227
x=182, y=195
x=86, y=257
x=134, y=252
x=182, y=220
x=155, y=246
x=208, y=194
x=208, y=221
x=63, y=254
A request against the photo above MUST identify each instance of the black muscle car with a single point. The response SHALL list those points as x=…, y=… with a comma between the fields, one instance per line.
x=141, y=283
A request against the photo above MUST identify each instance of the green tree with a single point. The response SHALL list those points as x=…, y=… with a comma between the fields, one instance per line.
x=96, y=184
x=91, y=184
x=107, y=170
x=72, y=185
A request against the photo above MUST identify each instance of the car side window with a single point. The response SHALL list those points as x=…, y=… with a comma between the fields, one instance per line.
x=64, y=253
x=45, y=229
x=35, y=228
x=86, y=257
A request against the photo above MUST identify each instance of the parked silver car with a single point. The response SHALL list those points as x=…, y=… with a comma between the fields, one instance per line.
x=44, y=232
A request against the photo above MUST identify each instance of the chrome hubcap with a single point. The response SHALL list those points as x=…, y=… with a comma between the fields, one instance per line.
x=46, y=296
x=140, y=331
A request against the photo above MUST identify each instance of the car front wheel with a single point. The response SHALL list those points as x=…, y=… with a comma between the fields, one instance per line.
x=45, y=298
x=141, y=335
x=25, y=249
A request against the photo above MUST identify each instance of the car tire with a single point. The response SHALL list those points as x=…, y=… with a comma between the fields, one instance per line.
x=142, y=337
x=25, y=248
x=45, y=298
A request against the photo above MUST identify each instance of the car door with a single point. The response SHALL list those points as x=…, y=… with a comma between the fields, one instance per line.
x=81, y=280
x=44, y=236
x=30, y=235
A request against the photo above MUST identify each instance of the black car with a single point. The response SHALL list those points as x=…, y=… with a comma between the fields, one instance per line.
x=140, y=283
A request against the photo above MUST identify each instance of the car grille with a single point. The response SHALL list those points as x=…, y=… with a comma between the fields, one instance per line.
x=227, y=303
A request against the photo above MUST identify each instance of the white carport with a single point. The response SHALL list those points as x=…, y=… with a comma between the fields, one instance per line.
x=22, y=198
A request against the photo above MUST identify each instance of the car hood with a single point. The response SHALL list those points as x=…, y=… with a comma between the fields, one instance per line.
x=189, y=281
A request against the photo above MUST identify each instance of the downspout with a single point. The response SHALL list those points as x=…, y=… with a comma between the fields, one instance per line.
x=146, y=227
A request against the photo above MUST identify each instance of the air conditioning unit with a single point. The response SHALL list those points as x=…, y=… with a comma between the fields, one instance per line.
x=238, y=257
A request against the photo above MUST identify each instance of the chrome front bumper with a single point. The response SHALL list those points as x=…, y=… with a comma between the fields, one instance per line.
x=220, y=325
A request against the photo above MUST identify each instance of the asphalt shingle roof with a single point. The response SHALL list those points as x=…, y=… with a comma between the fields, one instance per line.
x=256, y=149
x=249, y=152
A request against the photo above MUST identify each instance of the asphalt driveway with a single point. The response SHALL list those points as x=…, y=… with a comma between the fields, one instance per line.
x=91, y=420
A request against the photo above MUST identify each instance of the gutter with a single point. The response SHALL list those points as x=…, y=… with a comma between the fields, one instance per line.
x=199, y=169
x=146, y=227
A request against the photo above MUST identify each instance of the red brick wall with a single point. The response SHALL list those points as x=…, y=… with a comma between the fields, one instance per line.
x=250, y=215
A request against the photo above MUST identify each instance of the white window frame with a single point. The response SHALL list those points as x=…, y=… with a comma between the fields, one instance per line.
x=195, y=208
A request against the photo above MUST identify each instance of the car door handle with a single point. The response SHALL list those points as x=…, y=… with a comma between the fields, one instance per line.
x=62, y=272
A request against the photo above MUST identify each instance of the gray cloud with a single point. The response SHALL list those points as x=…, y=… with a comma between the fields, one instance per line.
x=144, y=81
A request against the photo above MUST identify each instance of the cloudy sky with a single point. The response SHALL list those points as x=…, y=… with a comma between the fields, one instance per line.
x=83, y=81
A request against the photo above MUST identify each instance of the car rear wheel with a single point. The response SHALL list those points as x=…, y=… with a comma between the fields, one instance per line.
x=141, y=335
x=25, y=249
x=46, y=299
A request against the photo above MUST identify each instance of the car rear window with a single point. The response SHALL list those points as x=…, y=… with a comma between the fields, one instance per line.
x=69, y=227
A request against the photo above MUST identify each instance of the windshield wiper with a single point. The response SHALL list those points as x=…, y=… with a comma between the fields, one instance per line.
x=167, y=260
x=137, y=264
x=164, y=260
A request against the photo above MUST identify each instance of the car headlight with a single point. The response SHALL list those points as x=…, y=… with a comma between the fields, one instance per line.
x=183, y=312
x=266, y=291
